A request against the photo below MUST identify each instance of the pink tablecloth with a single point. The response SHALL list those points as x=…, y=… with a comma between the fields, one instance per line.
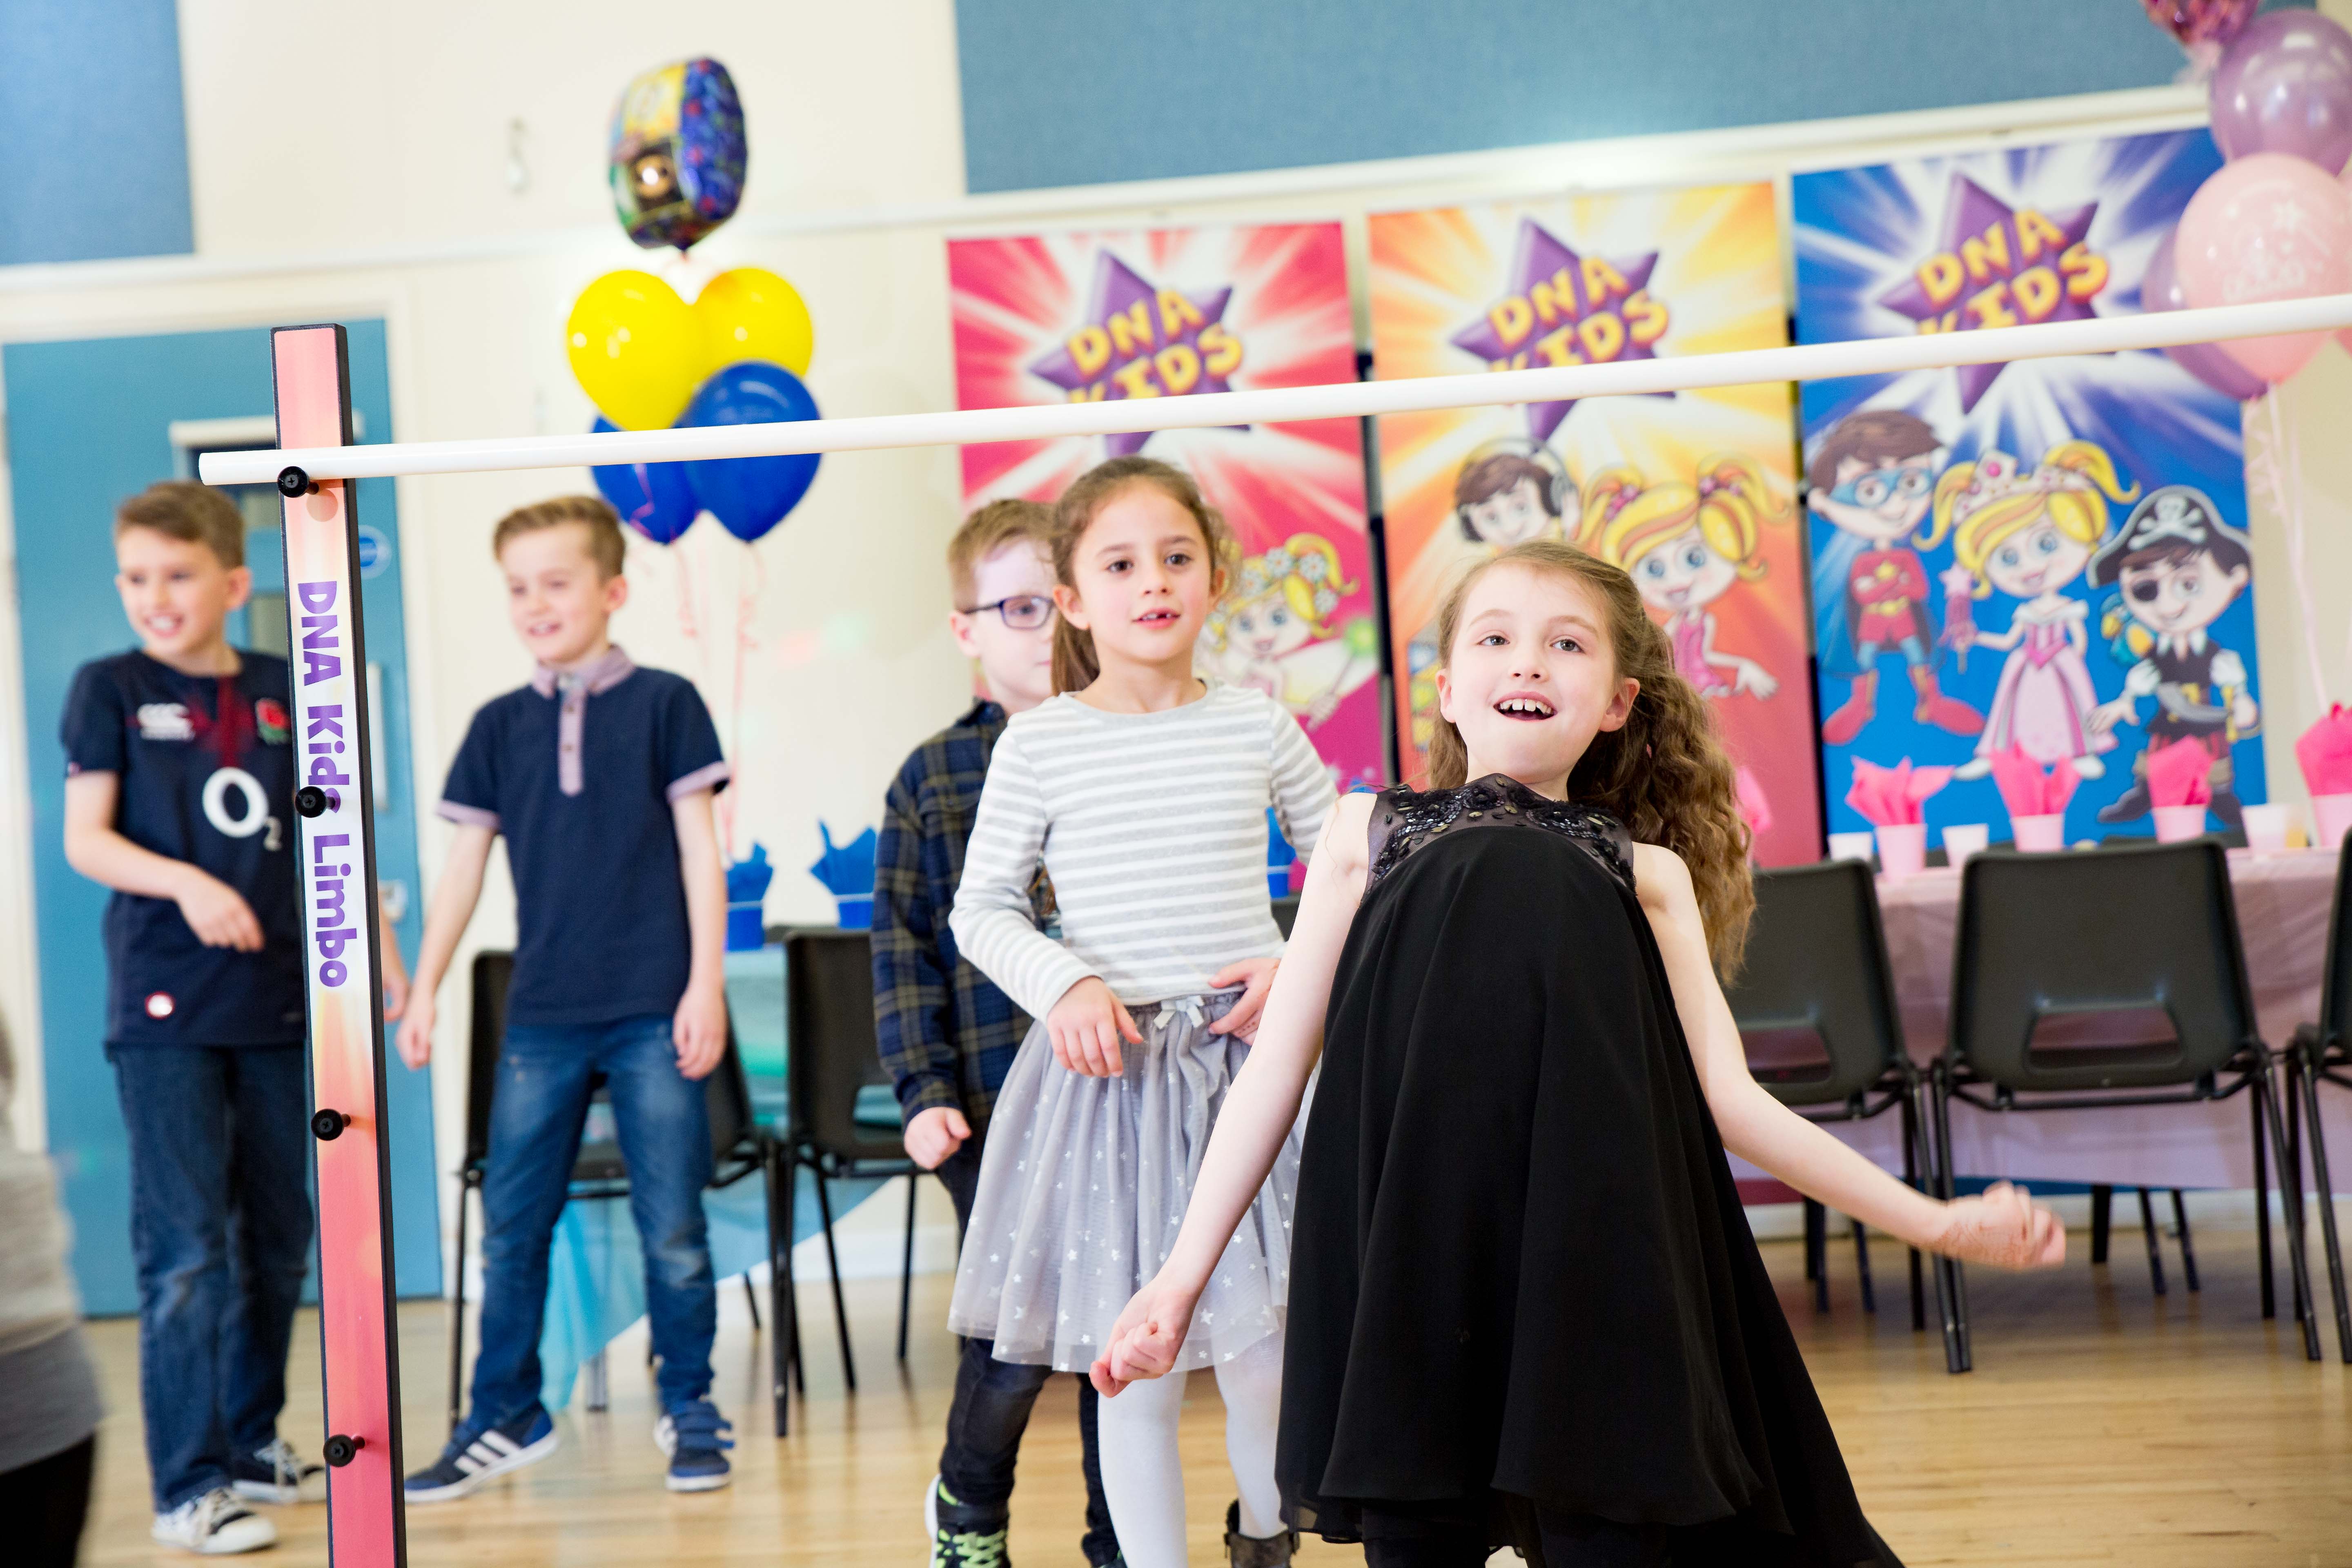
x=2283, y=903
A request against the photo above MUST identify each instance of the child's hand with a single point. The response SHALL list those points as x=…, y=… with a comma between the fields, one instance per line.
x=935, y=1134
x=1255, y=977
x=701, y=1029
x=414, y=1041
x=1086, y=1026
x=1145, y=1341
x=219, y=913
x=2005, y=1227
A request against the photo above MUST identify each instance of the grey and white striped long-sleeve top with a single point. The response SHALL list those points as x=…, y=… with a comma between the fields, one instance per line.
x=1152, y=828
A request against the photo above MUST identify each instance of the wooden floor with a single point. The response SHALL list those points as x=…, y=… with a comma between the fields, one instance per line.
x=2101, y=1426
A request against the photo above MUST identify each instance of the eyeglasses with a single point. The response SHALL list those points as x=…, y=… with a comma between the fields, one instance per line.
x=1022, y=611
x=1873, y=488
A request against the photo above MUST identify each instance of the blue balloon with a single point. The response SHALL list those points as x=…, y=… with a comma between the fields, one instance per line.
x=749, y=496
x=655, y=499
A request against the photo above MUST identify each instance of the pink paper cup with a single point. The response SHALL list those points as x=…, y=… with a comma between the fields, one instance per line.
x=2178, y=824
x=2332, y=813
x=2266, y=828
x=2040, y=833
x=1903, y=849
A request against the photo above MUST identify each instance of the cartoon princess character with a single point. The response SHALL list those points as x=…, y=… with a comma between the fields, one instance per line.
x=1684, y=545
x=1277, y=634
x=2029, y=533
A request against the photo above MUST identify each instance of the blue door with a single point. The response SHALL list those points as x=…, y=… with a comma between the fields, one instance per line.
x=90, y=422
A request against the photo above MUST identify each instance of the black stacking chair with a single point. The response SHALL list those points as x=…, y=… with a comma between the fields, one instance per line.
x=739, y=1147
x=1286, y=914
x=1815, y=1006
x=2110, y=978
x=831, y=1053
x=2322, y=1052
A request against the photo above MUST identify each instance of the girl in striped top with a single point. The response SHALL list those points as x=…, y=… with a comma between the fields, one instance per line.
x=1143, y=791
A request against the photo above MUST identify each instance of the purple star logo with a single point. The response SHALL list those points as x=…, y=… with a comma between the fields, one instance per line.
x=1565, y=309
x=2000, y=266
x=1136, y=341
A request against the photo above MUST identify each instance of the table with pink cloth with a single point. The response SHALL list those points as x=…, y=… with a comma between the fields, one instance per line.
x=2282, y=907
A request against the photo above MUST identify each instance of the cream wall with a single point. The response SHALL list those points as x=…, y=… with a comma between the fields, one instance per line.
x=390, y=196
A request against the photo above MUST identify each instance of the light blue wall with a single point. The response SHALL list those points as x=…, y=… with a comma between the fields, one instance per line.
x=87, y=424
x=1061, y=92
x=97, y=142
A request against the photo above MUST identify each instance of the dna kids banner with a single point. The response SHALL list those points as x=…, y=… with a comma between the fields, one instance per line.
x=1170, y=312
x=2033, y=574
x=1694, y=493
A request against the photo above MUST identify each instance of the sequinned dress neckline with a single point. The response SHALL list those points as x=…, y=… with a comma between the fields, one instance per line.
x=1404, y=820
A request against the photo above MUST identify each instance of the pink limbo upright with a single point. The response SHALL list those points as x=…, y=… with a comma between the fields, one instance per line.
x=337, y=852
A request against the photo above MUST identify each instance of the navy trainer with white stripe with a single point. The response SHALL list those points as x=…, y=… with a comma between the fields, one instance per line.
x=476, y=1455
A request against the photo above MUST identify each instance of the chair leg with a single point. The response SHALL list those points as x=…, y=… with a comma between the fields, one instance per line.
x=2291, y=1195
x=752, y=1300
x=1817, y=1253
x=1910, y=1113
x=1948, y=1301
x=2298, y=1263
x=2103, y=1206
x=833, y=1265
x=2187, y=1247
x=1862, y=1267
x=2308, y=1083
x=1946, y=1161
x=780, y=1285
x=2262, y=1208
x=907, y=1271
x=458, y=1313
x=2147, y=1234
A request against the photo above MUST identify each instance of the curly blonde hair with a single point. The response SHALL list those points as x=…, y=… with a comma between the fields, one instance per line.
x=1304, y=571
x=2072, y=489
x=1625, y=520
x=1074, y=664
x=1664, y=774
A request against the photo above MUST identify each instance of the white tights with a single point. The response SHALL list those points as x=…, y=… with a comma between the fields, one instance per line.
x=1143, y=1480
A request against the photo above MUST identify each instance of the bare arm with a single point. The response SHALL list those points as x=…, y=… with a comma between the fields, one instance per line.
x=216, y=911
x=700, y=1026
x=2000, y=1228
x=1259, y=1108
x=453, y=897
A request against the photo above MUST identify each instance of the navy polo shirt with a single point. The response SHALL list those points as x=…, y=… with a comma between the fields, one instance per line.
x=580, y=776
x=206, y=772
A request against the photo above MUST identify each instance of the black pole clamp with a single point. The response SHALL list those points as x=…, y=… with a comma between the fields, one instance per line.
x=327, y=1125
x=309, y=800
x=340, y=1450
x=293, y=481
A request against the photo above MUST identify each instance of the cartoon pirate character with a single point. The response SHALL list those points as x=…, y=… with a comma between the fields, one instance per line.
x=1874, y=479
x=2177, y=566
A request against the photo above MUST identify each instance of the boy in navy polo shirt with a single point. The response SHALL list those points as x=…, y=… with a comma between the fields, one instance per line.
x=179, y=791
x=600, y=775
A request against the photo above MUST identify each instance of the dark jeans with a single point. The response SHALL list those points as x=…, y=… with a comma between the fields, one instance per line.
x=45, y=1503
x=992, y=1400
x=220, y=1225
x=545, y=1080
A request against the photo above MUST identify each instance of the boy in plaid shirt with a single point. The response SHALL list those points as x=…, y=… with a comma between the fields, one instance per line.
x=948, y=1036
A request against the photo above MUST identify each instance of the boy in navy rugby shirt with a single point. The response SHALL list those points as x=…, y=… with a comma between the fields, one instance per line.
x=600, y=775
x=179, y=792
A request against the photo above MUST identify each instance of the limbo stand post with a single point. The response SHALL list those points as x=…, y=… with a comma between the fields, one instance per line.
x=335, y=845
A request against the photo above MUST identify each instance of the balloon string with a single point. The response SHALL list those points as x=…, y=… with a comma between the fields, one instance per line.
x=747, y=605
x=2283, y=461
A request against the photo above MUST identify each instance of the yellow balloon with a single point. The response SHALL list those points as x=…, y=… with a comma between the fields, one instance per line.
x=637, y=349
x=752, y=313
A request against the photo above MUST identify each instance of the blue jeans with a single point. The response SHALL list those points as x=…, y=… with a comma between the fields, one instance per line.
x=545, y=1078
x=220, y=1225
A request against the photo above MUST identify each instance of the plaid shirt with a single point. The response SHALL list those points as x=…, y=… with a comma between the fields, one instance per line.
x=948, y=1036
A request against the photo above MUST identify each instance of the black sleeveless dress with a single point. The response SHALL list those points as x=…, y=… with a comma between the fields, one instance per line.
x=1520, y=1273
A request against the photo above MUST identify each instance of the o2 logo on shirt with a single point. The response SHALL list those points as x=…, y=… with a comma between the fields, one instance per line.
x=253, y=807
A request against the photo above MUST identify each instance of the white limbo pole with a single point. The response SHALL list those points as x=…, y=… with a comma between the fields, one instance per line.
x=293, y=469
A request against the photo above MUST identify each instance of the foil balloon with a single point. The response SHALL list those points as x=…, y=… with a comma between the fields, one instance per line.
x=2195, y=22
x=637, y=349
x=677, y=153
x=749, y=496
x=658, y=499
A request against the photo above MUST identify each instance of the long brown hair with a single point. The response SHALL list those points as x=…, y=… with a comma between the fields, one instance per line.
x=1074, y=664
x=1664, y=773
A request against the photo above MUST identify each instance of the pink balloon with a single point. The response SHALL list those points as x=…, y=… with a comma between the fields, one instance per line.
x=2266, y=227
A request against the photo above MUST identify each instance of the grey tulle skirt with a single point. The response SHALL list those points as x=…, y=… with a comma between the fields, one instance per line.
x=1083, y=1183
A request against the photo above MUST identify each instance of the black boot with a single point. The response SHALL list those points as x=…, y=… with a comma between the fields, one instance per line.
x=2129, y=806
x=1256, y=1551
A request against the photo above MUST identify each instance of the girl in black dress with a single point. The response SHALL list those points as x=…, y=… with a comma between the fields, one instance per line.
x=1525, y=1306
